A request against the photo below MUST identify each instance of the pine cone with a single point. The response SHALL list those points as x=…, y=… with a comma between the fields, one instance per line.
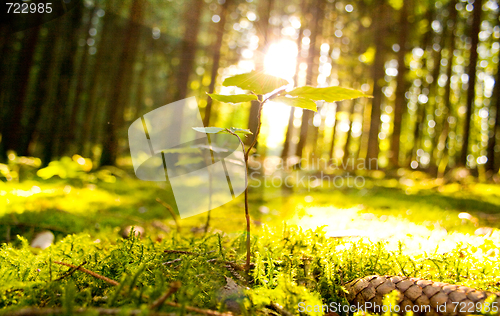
x=423, y=297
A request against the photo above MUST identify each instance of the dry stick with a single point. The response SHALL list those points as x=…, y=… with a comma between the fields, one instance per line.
x=114, y=311
x=171, y=211
x=199, y=310
x=35, y=311
x=105, y=279
x=70, y=272
x=280, y=309
x=174, y=287
x=182, y=252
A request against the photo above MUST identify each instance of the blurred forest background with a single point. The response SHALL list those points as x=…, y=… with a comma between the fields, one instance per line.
x=73, y=85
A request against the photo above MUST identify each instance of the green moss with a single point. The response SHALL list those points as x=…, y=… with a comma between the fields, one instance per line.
x=295, y=258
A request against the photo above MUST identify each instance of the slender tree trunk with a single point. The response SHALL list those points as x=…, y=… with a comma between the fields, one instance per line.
x=422, y=107
x=307, y=116
x=400, y=100
x=492, y=163
x=289, y=135
x=68, y=49
x=73, y=127
x=5, y=64
x=263, y=33
x=141, y=82
x=116, y=106
x=290, y=127
x=377, y=76
x=41, y=88
x=441, y=147
x=331, y=154
x=12, y=127
x=192, y=17
x=349, y=132
x=100, y=71
x=216, y=50
x=471, y=90
x=433, y=93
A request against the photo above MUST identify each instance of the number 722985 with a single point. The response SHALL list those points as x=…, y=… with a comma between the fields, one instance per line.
x=29, y=7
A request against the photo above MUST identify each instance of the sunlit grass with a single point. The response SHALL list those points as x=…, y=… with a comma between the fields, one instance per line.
x=343, y=233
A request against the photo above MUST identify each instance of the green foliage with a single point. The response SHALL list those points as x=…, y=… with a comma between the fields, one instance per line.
x=19, y=167
x=63, y=168
x=302, y=97
x=256, y=82
x=297, y=102
x=221, y=130
x=329, y=94
x=396, y=4
x=235, y=98
x=291, y=264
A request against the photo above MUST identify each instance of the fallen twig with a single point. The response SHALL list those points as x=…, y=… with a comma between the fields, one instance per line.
x=70, y=272
x=172, y=261
x=34, y=311
x=280, y=309
x=236, y=274
x=199, y=310
x=111, y=311
x=182, y=252
x=174, y=287
x=233, y=265
x=95, y=275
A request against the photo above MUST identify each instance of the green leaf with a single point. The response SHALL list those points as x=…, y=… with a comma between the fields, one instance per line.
x=209, y=130
x=329, y=94
x=237, y=98
x=217, y=130
x=257, y=82
x=241, y=130
x=297, y=102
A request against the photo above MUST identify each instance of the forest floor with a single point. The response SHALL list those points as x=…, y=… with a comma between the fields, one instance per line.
x=306, y=244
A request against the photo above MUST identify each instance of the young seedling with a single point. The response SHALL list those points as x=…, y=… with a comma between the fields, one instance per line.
x=263, y=88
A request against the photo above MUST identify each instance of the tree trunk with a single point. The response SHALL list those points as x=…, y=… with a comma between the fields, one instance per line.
x=68, y=48
x=400, y=100
x=471, y=90
x=216, y=49
x=73, y=127
x=378, y=74
x=441, y=145
x=491, y=164
x=100, y=71
x=263, y=32
x=421, y=107
x=307, y=116
x=290, y=127
x=349, y=132
x=41, y=88
x=12, y=127
x=116, y=105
